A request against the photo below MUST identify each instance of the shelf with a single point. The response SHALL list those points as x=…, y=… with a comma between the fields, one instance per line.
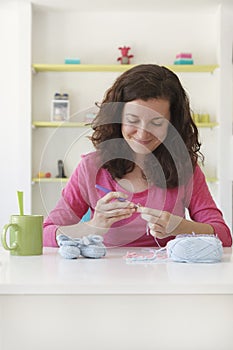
x=207, y=125
x=49, y=179
x=44, y=124
x=55, y=179
x=81, y=67
x=211, y=179
x=116, y=68
x=210, y=68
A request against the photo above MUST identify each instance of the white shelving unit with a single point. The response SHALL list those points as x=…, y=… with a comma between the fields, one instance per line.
x=87, y=82
x=47, y=154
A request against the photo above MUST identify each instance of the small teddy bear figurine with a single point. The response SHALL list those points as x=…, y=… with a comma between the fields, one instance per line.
x=125, y=58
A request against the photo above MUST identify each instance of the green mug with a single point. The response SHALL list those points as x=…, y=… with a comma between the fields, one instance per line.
x=25, y=235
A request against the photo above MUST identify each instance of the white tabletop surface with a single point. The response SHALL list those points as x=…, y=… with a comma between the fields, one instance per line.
x=51, y=274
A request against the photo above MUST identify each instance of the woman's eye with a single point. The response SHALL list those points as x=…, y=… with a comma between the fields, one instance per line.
x=157, y=122
x=132, y=121
x=135, y=120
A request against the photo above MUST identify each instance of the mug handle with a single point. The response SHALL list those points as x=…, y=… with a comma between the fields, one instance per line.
x=3, y=237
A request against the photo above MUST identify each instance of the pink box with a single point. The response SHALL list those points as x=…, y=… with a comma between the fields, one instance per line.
x=184, y=55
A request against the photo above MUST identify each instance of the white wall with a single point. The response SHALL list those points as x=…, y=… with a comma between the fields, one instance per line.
x=225, y=109
x=95, y=38
x=14, y=106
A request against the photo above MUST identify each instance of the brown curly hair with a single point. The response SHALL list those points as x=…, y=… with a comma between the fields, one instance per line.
x=179, y=152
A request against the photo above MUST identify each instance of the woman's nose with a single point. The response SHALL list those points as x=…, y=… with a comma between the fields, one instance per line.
x=142, y=133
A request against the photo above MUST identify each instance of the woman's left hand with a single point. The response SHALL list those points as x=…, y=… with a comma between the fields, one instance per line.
x=161, y=223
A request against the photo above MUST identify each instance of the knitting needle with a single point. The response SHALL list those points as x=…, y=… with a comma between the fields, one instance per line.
x=106, y=190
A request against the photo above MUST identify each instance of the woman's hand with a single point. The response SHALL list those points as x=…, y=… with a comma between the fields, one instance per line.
x=161, y=223
x=109, y=210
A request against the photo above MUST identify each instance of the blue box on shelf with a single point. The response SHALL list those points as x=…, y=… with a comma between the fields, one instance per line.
x=72, y=61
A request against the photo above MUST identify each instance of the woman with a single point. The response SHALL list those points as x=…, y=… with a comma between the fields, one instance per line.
x=147, y=153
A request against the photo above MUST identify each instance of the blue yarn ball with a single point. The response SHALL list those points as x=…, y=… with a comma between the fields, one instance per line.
x=195, y=249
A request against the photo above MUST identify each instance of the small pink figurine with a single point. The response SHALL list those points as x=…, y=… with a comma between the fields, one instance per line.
x=125, y=58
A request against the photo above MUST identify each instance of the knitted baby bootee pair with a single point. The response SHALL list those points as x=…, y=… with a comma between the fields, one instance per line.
x=89, y=247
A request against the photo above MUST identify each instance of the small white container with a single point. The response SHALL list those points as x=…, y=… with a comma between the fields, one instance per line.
x=60, y=110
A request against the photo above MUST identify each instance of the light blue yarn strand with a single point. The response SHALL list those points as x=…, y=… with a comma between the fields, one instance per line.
x=195, y=249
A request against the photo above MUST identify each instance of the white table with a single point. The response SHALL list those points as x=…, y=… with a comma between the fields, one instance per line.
x=49, y=303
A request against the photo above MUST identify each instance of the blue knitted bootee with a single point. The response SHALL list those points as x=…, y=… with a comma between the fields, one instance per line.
x=92, y=247
x=89, y=247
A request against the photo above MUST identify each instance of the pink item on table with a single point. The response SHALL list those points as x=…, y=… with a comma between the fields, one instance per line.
x=146, y=256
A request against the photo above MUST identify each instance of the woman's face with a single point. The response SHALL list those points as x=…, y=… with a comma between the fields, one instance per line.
x=145, y=124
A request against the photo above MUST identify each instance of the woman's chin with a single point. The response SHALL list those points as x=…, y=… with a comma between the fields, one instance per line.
x=141, y=149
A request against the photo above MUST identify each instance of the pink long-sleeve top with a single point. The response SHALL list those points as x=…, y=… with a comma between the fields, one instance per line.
x=80, y=194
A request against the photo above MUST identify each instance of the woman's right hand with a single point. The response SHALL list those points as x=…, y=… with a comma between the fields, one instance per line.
x=109, y=210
